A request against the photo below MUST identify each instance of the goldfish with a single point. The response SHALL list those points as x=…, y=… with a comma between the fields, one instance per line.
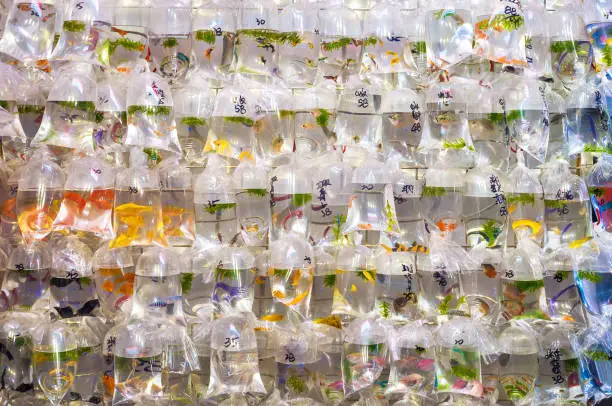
x=396, y=120
x=274, y=317
x=208, y=52
x=395, y=61
x=308, y=126
x=444, y=226
x=222, y=146
x=296, y=277
x=278, y=294
x=332, y=321
x=353, y=288
x=391, y=53
x=489, y=271
x=298, y=298
x=108, y=286
x=363, y=226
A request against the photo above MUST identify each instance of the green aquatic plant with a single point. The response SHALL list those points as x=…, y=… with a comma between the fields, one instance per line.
x=207, y=36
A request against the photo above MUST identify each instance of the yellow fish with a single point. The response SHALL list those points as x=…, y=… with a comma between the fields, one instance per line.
x=274, y=317
x=353, y=288
x=298, y=298
x=222, y=146
x=245, y=155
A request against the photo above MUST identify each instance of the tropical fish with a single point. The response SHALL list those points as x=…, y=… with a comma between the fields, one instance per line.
x=309, y=126
x=274, y=317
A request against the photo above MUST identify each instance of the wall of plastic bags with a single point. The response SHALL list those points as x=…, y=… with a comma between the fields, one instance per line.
x=321, y=203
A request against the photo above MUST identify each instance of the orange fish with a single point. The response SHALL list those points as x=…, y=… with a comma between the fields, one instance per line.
x=443, y=226
x=108, y=286
x=308, y=126
x=364, y=226
x=126, y=289
x=119, y=31
x=490, y=271
x=208, y=52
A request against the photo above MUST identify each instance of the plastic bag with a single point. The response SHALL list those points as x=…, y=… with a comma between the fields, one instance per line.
x=29, y=31
x=8, y=214
x=525, y=199
x=231, y=133
x=15, y=336
x=10, y=125
x=78, y=35
x=485, y=208
x=441, y=292
x=559, y=378
x=407, y=194
x=562, y=295
x=386, y=50
x=137, y=214
x=150, y=109
x=463, y=347
x=26, y=282
x=501, y=40
x=597, y=24
x=447, y=136
x=215, y=203
x=124, y=47
x=331, y=188
x=234, y=369
x=397, y=286
x=113, y=272
x=449, y=33
x=194, y=104
x=290, y=198
x=402, y=125
x=592, y=274
x=358, y=122
x=529, y=117
x=111, y=114
x=341, y=44
x=88, y=198
x=315, y=115
x=572, y=54
x=523, y=295
x=297, y=358
x=253, y=203
x=355, y=283
x=234, y=281
x=587, y=120
x=136, y=353
x=291, y=273
x=169, y=43
x=519, y=362
x=212, y=41
x=274, y=123
x=39, y=197
x=371, y=207
x=600, y=187
x=298, y=46
x=177, y=203
x=537, y=40
x=88, y=383
x=158, y=286
x=69, y=118
x=487, y=123
x=442, y=201
x=412, y=361
x=255, y=46
x=566, y=202
x=197, y=281
x=55, y=359
x=72, y=286
x=593, y=347
x=364, y=357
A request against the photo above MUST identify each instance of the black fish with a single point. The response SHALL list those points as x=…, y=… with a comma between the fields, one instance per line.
x=85, y=310
x=6, y=352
